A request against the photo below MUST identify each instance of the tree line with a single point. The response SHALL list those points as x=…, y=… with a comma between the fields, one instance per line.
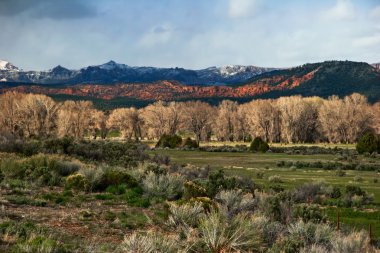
x=292, y=119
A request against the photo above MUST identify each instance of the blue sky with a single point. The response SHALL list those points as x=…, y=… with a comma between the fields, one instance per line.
x=37, y=34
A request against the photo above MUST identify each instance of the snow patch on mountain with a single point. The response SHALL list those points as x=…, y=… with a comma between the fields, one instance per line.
x=4, y=65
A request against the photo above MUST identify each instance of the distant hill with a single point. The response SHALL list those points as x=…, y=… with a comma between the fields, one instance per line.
x=324, y=79
x=317, y=79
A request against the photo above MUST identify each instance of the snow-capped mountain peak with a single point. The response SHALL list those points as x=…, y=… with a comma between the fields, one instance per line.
x=59, y=68
x=4, y=65
x=112, y=65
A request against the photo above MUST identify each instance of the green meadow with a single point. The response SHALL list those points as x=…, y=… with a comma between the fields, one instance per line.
x=260, y=166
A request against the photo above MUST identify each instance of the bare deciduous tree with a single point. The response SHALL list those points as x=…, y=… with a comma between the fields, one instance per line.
x=241, y=131
x=97, y=124
x=289, y=119
x=28, y=115
x=198, y=118
x=162, y=118
x=74, y=118
x=10, y=104
x=345, y=120
x=376, y=117
x=226, y=120
x=155, y=119
x=263, y=118
x=299, y=119
x=127, y=121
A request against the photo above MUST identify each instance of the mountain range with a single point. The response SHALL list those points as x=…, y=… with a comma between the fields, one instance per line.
x=113, y=85
x=112, y=72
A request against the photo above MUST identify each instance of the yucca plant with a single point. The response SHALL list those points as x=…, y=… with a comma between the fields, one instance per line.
x=186, y=216
x=148, y=243
x=92, y=175
x=352, y=243
x=315, y=249
x=219, y=234
x=311, y=233
x=37, y=243
x=235, y=201
x=271, y=230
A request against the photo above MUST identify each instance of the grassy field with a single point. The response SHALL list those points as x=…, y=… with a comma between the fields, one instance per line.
x=152, y=143
x=252, y=164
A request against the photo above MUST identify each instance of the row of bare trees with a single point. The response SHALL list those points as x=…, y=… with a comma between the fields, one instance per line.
x=287, y=119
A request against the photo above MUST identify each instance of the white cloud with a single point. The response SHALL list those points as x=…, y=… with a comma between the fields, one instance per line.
x=288, y=34
x=156, y=36
x=241, y=8
x=367, y=41
x=375, y=13
x=342, y=10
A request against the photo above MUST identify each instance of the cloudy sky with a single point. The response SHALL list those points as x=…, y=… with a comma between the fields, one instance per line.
x=40, y=34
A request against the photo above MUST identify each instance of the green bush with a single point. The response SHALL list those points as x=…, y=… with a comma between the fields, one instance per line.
x=114, y=153
x=368, y=143
x=41, y=169
x=12, y=169
x=134, y=197
x=27, y=148
x=132, y=219
x=161, y=159
x=308, y=212
x=288, y=245
x=217, y=182
x=169, y=141
x=193, y=190
x=54, y=146
x=335, y=192
x=276, y=188
x=66, y=168
x=114, y=177
x=340, y=173
x=126, y=154
x=77, y=182
x=58, y=198
x=276, y=179
x=190, y=143
x=104, y=196
x=258, y=145
x=260, y=175
x=117, y=189
x=271, y=206
x=27, y=237
x=354, y=190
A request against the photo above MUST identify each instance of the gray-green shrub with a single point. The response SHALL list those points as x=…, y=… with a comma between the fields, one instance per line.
x=163, y=186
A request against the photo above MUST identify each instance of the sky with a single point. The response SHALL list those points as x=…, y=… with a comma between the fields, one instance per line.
x=41, y=34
